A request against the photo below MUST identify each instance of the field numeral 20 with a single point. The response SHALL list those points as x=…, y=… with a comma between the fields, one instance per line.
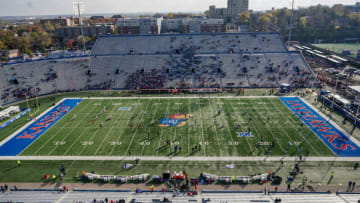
x=57, y=143
x=87, y=143
x=234, y=143
x=145, y=143
x=115, y=143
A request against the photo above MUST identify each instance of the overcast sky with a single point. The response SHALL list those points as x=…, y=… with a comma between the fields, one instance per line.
x=56, y=7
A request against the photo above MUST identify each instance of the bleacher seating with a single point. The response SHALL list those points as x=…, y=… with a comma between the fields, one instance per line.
x=164, y=61
x=307, y=197
x=234, y=197
x=82, y=196
x=30, y=196
x=350, y=197
x=89, y=196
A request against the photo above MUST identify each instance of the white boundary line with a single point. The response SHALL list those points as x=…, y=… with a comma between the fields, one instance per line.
x=29, y=123
x=354, y=140
x=63, y=138
x=194, y=158
x=297, y=132
x=150, y=158
x=122, y=132
x=192, y=97
x=161, y=130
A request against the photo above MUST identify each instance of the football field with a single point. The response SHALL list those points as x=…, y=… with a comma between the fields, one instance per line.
x=339, y=47
x=194, y=126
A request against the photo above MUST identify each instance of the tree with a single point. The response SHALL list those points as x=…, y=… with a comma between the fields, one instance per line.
x=170, y=15
x=49, y=27
x=70, y=43
x=79, y=41
x=264, y=21
x=207, y=13
x=302, y=22
x=244, y=18
x=3, y=45
x=4, y=58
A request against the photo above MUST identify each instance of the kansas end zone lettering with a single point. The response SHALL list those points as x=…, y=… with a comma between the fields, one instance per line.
x=23, y=139
x=332, y=137
x=44, y=123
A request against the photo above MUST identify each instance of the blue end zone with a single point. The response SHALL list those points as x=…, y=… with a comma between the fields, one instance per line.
x=22, y=140
x=339, y=143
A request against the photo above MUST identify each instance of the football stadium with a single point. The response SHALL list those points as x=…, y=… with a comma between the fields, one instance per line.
x=232, y=113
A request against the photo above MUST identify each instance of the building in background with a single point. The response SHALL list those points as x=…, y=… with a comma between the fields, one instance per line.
x=353, y=8
x=11, y=53
x=135, y=26
x=230, y=13
x=212, y=25
x=97, y=18
x=172, y=25
x=54, y=21
x=70, y=32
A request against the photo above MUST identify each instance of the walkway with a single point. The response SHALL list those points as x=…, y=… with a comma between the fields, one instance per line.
x=189, y=158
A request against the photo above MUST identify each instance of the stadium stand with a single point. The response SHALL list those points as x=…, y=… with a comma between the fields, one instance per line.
x=149, y=197
x=350, y=197
x=90, y=196
x=82, y=196
x=232, y=197
x=307, y=197
x=163, y=61
x=29, y=197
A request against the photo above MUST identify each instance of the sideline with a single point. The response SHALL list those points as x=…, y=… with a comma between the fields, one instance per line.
x=182, y=158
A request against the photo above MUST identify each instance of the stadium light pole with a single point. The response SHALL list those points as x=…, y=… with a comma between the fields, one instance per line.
x=78, y=8
x=291, y=21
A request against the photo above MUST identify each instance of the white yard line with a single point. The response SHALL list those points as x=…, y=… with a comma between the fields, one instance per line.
x=180, y=97
x=91, y=138
x=161, y=130
x=124, y=129
x=271, y=133
x=50, y=139
x=217, y=137
x=29, y=123
x=136, y=129
x=247, y=141
x=223, y=118
x=76, y=141
x=354, y=140
x=152, y=120
x=108, y=133
x=179, y=158
x=174, y=137
x=297, y=132
x=202, y=127
x=66, y=135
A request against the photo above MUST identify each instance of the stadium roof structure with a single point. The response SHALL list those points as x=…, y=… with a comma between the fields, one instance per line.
x=355, y=89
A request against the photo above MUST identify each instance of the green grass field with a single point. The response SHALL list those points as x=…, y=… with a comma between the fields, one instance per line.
x=75, y=135
x=33, y=171
x=338, y=48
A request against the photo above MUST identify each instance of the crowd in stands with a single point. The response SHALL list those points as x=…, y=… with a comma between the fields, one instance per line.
x=152, y=79
x=169, y=61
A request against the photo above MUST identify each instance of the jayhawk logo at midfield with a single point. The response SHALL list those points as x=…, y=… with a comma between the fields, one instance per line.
x=177, y=120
